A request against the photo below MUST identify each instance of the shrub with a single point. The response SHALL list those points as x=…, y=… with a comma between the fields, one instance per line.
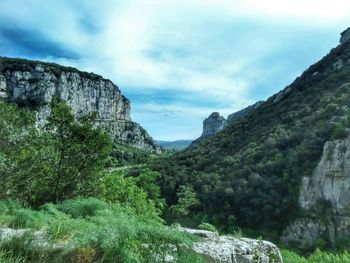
x=207, y=226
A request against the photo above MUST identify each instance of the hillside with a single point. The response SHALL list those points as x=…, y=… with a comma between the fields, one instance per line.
x=250, y=174
x=33, y=84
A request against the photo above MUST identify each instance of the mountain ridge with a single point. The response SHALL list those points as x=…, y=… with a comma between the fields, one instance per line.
x=34, y=83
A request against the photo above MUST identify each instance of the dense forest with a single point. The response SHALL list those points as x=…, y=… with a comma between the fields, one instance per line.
x=248, y=176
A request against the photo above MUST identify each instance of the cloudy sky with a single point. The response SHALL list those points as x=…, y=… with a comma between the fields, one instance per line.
x=178, y=60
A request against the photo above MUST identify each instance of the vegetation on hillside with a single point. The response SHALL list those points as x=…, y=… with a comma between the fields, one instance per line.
x=76, y=198
x=249, y=175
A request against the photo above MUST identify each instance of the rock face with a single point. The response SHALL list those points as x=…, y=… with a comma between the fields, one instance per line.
x=325, y=194
x=345, y=36
x=228, y=249
x=216, y=123
x=331, y=179
x=213, y=124
x=33, y=84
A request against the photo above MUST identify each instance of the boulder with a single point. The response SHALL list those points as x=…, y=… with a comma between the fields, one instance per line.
x=228, y=249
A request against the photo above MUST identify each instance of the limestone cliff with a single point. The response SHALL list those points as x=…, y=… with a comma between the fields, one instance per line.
x=34, y=83
x=325, y=195
x=216, y=123
x=345, y=36
x=211, y=125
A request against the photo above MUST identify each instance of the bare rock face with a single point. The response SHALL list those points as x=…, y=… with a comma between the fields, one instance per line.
x=213, y=124
x=228, y=249
x=326, y=195
x=33, y=84
x=331, y=178
x=345, y=36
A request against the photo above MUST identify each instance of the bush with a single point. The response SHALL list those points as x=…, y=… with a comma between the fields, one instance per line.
x=207, y=226
x=94, y=231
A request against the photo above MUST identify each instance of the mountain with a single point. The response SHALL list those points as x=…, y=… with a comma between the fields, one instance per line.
x=211, y=125
x=216, y=123
x=174, y=145
x=287, y=159
x=34, y=83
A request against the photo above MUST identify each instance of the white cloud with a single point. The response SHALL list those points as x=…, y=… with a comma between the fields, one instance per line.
x=208, y=48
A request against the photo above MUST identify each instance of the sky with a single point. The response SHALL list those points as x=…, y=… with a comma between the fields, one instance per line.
x=178, y=60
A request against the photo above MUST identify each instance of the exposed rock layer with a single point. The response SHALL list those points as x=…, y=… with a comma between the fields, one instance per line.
x=228, y=249
x=345, y=36
x=33, y=84
x=325, y=194
x=216, y=123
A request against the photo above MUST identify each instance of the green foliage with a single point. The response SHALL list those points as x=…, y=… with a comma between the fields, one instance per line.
x=252, y=170
x=317, y=257
x=115, y=188
x=187, y=199
x=52, y=165
x=93, y=231
x=207, y=226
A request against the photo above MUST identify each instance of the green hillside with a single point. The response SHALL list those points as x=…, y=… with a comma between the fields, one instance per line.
x=249, y=175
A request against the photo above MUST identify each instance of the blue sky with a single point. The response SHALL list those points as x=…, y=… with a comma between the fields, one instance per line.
x=176, y=60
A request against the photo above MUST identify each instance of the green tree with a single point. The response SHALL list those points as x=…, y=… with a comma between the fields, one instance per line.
x=59, y=162
x=187, y=199
x=115, y=188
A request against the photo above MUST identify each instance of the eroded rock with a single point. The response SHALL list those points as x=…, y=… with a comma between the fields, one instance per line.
x=34, y=84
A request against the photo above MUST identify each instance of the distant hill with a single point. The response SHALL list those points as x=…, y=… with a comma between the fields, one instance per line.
x=175, y=145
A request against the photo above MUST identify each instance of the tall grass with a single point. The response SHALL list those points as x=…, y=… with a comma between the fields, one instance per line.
x=317, y=257
x=88, y=230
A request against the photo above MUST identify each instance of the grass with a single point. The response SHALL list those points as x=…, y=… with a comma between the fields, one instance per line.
x=87, y=230
x=317, y=257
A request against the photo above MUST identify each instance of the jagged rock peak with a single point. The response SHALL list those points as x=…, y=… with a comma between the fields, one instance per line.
x=213, y=124
x=34, y=83
x=345, y=36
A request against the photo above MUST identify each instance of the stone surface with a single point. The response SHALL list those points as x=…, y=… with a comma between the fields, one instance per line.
x=228, y=249
x=330, y=180
x=304, y=232
x=345, y=36
x=213, y=124
x=216, y=123
x=326, y=195
x=33, y=84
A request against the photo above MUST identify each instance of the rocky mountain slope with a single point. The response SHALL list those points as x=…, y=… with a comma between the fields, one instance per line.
x=287, y=156
x=34, y=83
x=216, y=123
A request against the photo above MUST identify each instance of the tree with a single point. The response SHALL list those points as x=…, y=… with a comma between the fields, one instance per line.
x=187, y=199
x=59, y=162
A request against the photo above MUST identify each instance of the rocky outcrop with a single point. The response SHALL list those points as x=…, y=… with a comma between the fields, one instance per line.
x=210, y=246
x=228, y=249
x=325, y=194
x=211, y=126
x=33, y=84
x=216, y=123
x=345, y=36
x=331, y=179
